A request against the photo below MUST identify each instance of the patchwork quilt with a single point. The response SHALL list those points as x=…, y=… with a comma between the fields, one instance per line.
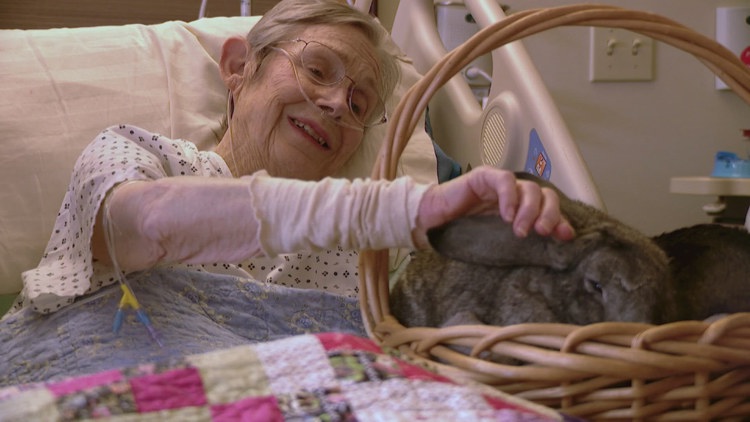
x=313, y=377
x=232, y=349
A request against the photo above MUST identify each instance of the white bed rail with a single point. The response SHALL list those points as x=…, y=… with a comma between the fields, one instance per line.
x=519, y=128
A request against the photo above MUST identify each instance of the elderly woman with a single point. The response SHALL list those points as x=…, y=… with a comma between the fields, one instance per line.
x=304, y=85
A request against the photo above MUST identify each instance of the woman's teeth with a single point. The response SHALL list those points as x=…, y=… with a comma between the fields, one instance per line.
x=310, y=132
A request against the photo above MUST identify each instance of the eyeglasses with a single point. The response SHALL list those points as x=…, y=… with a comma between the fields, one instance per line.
x=320, y=65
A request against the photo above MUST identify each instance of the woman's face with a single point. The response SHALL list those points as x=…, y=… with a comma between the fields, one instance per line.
x=274, y=127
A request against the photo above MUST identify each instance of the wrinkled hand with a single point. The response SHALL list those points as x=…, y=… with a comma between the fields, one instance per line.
x=487, y=190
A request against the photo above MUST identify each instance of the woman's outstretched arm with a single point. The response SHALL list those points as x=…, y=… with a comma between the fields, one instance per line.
x=204, y=220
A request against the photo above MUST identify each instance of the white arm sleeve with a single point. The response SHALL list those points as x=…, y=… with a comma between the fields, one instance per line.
x=296, y=216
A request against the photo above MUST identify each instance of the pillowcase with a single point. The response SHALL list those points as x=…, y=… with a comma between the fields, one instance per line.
x=61, y=87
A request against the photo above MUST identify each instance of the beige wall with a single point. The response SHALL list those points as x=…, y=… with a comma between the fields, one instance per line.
x=39, y=14
x=635, y=136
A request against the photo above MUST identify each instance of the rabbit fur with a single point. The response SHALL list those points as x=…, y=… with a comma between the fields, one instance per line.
x=480, y=272
x=710, y=264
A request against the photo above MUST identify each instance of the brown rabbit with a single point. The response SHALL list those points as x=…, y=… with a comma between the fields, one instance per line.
x=710, y=264
x=480, y=272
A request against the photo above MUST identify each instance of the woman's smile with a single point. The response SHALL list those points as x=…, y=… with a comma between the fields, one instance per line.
x=312, y=131
x=281, y=128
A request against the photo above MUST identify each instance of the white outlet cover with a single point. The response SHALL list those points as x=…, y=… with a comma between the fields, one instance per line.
x=733, y=32
x=619, y=55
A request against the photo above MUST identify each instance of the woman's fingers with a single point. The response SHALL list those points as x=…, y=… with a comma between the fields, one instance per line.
x=539, y=209
x=527, y=205
x=522, y=203
x=551, y=222
x=530, y=203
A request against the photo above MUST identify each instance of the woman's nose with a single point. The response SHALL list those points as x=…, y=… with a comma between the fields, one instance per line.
x=334, y=100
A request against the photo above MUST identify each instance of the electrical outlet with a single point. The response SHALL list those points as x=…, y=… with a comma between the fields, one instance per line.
x=619, y=55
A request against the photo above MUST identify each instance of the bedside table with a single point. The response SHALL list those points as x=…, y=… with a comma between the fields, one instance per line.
x=733, y=196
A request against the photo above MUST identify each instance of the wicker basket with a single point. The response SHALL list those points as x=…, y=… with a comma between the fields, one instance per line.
x=687, y=370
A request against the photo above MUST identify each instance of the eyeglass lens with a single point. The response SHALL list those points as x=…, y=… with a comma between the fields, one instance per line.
x=323, y=66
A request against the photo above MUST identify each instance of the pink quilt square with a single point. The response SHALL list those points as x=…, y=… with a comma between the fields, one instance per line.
x=168, y=390
x=251, y=409
x=340, y=341
x=82, y=383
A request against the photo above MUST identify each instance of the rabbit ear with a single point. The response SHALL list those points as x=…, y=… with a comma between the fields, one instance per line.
x=488, y=240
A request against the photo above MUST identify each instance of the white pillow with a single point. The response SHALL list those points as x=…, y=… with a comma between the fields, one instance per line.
x=60, y=87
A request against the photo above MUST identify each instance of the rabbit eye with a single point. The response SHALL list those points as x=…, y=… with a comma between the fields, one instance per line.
x=595, y=286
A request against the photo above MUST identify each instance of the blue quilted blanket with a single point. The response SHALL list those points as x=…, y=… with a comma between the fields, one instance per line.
x=192, y=312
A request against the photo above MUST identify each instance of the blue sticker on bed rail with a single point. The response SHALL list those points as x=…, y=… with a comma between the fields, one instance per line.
x=537, y=160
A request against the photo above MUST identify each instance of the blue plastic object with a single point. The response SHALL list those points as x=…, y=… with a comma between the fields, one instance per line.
x=728, y=164
x=128, y=300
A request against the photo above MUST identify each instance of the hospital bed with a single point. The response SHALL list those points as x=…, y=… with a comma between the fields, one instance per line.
x=60, y=87
x=519, y=128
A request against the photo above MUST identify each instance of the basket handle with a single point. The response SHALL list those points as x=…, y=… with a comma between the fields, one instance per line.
x=728, y=67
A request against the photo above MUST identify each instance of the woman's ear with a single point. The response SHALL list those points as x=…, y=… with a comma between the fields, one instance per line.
x=234, y=56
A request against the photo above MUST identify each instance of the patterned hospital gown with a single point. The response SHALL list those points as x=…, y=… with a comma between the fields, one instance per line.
x=125, y=152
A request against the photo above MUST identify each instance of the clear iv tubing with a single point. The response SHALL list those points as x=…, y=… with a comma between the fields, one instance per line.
x=128, y=298
x=202, y=12
x=473, y=72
